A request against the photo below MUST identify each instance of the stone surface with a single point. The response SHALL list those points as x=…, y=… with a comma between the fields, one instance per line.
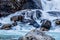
x=6, y=26
x=46, y=25
x=57, y=21
x=36, y=35
x=14, y=18
x=20, y=18
x=16, y=5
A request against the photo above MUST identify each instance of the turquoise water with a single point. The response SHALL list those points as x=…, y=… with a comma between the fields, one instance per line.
x=11, y=34
x=14, y=35
x=55, y=35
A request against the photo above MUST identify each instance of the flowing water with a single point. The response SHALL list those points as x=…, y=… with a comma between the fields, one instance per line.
x=48, y=6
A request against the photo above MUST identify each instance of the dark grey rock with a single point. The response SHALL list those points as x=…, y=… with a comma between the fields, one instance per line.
x=57, y=21
x=6, y=26
x=46, y=24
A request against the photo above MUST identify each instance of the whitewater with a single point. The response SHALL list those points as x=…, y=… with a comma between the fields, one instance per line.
x=22, y=29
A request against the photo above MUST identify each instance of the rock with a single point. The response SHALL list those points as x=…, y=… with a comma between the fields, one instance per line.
x=14, y=18
x=38, y=14
x=34, y=24
x=37, y=35
x=57, y=21
x=31, y=6
x=17, y=18
x=12, y=6
x=3, y=14
x=14, y=24
x=46, y=25
x=6, y=26
x=20, y=18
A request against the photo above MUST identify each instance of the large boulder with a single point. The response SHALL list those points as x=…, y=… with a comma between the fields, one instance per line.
x=3, y=14
x=11, y=5
x=46, y=25
x=6, y=26
x=16, y=5
x=36, y=35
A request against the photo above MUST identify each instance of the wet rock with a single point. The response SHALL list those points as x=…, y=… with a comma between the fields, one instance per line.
x=37, y=35
x=30, y=5
x=14, y=18
x=20, y=18
x=46, y=25
x=34, y=23
x=38, y=14
x=3, y=14
x=23, y=13
x=57, y=21
x=14, y=24
x=12, y=6
x=6, y=26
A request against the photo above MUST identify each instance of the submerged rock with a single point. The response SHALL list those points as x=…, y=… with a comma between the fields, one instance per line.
x=46, y=25
x=37, y=35
x=11, y=5
x=34, y=24
x=6, y=26
x=17, y=18
x=38, y=14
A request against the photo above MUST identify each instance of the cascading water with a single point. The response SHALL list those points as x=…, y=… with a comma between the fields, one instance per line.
x=50, y=5
x=49, y=11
